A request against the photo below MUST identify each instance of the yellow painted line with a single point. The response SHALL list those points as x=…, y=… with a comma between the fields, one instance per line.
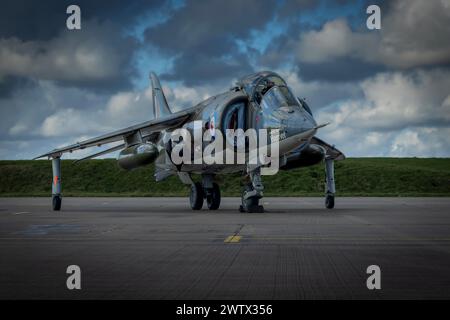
x=232, y=239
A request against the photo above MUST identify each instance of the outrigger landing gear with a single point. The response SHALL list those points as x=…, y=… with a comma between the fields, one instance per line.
x=330, y=187
x=252, y=193
x=208, y=190
x=56, y=184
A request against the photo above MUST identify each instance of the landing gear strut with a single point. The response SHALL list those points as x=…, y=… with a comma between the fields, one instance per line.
x=56, y=184
x=330, y=187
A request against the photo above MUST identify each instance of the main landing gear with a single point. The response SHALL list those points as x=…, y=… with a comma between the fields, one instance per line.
x=207, y=190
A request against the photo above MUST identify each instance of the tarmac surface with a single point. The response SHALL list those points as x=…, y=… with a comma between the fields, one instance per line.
x=157, y=248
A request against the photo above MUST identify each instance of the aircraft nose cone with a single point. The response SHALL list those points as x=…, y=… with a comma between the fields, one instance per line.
x=298, y=122
x=300, y=127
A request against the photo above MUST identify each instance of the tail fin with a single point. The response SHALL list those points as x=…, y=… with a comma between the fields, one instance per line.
x=160, y=105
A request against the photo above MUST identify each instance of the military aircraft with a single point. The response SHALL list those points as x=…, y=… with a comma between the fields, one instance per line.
x=260, y=101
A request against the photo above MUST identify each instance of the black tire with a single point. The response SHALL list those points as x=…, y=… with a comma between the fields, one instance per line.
x=329, y=201
x=196, y=196
x=249, y=203
x=56, y=203
x=213, y=198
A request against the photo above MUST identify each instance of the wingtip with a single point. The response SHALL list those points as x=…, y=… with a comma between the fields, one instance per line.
x=39, y=157
x=50, y=154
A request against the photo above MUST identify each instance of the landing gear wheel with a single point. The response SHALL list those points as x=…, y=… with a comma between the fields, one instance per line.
x=213, y=197
x=196, y=196
x=56, y=203
x=251, y=204
x=329, y=201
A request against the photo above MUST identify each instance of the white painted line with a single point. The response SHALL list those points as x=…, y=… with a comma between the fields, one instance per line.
x=21, y=212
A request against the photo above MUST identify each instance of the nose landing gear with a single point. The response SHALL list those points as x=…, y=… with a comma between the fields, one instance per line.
x=252, y=193
x=250, y=200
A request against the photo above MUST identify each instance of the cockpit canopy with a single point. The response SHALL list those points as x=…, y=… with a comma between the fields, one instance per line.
x=257, y=84
x=279, y=106
x=278, y=97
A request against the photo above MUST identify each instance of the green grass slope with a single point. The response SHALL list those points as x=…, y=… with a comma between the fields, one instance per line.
x=354, y=177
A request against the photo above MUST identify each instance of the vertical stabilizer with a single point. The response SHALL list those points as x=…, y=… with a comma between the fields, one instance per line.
x=160, y=105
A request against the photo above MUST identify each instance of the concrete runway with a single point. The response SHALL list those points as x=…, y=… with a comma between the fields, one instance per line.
x=157, y=248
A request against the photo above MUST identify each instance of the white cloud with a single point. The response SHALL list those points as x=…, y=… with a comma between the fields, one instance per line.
x=18, y=128
x=334, y=40
x=72, y=56
x=69, y=122
x=398, y=115
x=421, y=142
x=103, y=113
x=376, y=119
x=319, y=94
x=394, y=100
x=414, y=33
x=181, y=96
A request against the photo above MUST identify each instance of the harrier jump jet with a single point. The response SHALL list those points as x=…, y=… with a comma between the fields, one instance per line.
x=258, y=101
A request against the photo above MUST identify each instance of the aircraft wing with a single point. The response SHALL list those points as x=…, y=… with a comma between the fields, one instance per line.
x=331, y=151
x=146, y=129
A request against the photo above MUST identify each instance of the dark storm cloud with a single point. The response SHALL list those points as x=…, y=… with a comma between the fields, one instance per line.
x=413, y=34
x=293, y=8
x=284, y=49
x=343, y=69
x=209, y=29
x=8, y=83
x=197, y=68
x=210, y=25
x=59, y=86
x=43, y=20
x=72, y=58
x=36, y=44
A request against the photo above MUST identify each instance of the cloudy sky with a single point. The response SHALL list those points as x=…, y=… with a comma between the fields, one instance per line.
x=386, y=92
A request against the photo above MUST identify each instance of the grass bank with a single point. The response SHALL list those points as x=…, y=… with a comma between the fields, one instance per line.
x=354, y=177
